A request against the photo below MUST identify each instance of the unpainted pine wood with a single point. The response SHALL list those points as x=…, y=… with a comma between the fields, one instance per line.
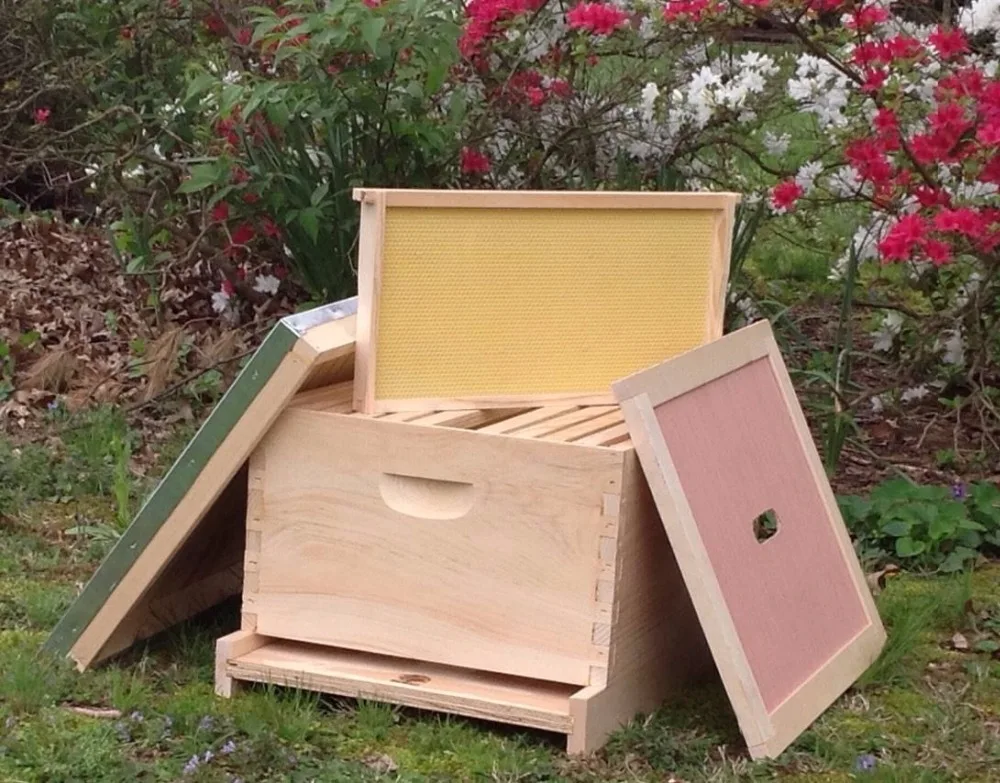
x=700, y=580
x=554, y=424
x=586, y=428
x=492, y=401
x=370, y=240
x=754, y=406
x=657, y=646
x=228, y=648
x=335, y=397
x=508, y=426
x=536, y=199
x=412, y=683
x=210, y=483
x=608, y=436
x=722, y=244
x=737, y=455
x=697, y=367
x=507, y=585
x=468, y=420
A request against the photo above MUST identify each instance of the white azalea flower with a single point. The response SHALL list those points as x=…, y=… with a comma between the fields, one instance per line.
x=885, y=336
x=914, y=393
x=776, y=145
x=220, y=301
x=266, y=284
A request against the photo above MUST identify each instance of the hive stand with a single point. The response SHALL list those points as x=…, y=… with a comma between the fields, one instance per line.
x=499, y=564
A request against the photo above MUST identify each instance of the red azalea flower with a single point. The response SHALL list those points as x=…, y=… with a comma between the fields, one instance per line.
x=220, y=212
x=372, y=3
x=42, y=115
x=875, y=80
x=243, y=234
x=937, y=251
x=864, y=19
x=536, y=96
x=474, y=162
x=270, y=228
x=227, y=288
x=948, y=43
x=904, y=47
x=596, y=18
x=240, y=176
x=869, y=160
x=560, y=88
x=127, y=33
x=785, y=194
x=964, y=220
x=215, y=25
x=243, y=36
x=903, y=238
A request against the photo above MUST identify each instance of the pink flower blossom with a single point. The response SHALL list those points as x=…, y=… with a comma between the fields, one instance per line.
x=220, y=212
x=474, y=162
x=42, y=115
x=949, y=44
x=596, y=18
x=785, y=194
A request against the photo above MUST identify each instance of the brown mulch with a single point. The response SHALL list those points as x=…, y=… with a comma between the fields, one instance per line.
x=82, y=332
x=911, y=439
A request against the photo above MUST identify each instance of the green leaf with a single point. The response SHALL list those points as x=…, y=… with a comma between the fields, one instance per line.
x=954, y=562
x=371, y=31
x=200, y=85
x=203, y=176
x=309, y=220
x=941, y=528
x=319, y=194
x=896, y=528
x=986, y=646
x=907, y=547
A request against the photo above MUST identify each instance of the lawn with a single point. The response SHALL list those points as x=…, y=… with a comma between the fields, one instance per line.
x=928, y=710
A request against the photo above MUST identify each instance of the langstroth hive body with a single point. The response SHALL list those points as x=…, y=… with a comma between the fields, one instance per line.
x=505, y=564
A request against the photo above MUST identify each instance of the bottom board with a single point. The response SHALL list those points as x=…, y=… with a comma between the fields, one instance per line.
x=523, y=702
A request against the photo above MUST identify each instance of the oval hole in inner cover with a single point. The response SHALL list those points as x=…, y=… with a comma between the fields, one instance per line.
x=765, y=526
x=426, y=498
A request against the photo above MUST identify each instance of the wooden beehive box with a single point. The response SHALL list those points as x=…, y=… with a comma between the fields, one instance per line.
x=499, y=564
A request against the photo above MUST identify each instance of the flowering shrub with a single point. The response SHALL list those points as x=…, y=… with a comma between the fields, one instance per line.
x=326, y=97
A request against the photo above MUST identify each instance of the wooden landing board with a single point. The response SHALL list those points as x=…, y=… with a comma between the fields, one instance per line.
x=498, y=299
x=790, y=620
x=142, y=586
x=412, y=683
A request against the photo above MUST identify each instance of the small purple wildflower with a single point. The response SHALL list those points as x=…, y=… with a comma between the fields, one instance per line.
x=236, y=780
x=192, y=765
x=208, y=757
x=958, y=490
x=864, y=763
x=206, y=723
x=136, y=717
x=228, y=747
x=53, y=405
x=122, y=730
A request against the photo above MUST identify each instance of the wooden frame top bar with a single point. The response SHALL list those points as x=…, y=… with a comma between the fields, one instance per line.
x=542, y=199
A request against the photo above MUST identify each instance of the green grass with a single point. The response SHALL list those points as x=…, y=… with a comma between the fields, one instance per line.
x=924, y=712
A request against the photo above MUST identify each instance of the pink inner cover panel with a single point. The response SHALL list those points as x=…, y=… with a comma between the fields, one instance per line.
x=791, y=597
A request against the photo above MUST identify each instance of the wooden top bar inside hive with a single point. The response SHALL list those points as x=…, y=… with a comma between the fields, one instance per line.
x=591, y=425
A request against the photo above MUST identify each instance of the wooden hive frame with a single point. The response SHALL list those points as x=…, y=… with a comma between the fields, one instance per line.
x=435, y=266
x=644, y=627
